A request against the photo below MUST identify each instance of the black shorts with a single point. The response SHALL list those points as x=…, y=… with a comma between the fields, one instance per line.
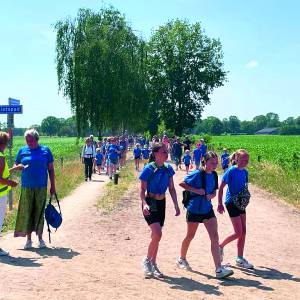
x=225, y=167
x=199, y=218
x=233, y=211
x=157, y=211
x=187, y=165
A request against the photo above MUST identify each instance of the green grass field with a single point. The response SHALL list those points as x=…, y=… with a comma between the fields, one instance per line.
x=61, y=147
x=274, y=162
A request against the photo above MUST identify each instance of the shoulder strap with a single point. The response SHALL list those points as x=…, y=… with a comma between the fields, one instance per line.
x=216, y=180
x=56, y=198
x=203, y=179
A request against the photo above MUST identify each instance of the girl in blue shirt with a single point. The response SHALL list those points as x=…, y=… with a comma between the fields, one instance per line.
x=187, y=160
x=236, y=177
x=200, y=210
x=137, y=155
x=156, y=178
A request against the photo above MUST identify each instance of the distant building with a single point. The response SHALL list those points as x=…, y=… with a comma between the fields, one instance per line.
x=268, y=131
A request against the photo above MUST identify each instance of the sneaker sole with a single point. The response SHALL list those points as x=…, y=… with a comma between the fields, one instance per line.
x=242, y=267
x=148, y=276
x=225, y=276
x=183, y=268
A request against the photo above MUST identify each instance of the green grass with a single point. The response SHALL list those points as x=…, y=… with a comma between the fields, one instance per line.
x=274, y=162
x=113, y=193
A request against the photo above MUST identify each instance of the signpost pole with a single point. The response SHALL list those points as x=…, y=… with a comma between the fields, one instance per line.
x=10, y=126
x=14, y=106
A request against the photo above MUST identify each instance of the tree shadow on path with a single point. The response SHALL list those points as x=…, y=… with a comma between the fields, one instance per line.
x=269, y=273
x=62, y=253
x=189, y=285
x=20, y=261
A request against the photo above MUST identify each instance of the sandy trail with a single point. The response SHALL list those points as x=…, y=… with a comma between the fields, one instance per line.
x=98, y=256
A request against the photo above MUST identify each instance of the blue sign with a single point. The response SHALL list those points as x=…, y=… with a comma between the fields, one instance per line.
x=12, y=101
x=11, y=109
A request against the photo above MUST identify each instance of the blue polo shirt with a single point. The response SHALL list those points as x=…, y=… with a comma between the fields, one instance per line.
x=187, y=159
x=36, y=174
x=199, y=204
x=235, y=180
x=137, y=152
x=157, y=178
x=203, y=149
x=225, y=159
x=99, y=158
x=197, y=155
x=146, y=153
x=112, y=152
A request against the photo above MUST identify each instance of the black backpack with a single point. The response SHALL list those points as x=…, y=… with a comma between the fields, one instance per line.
x=186, y=195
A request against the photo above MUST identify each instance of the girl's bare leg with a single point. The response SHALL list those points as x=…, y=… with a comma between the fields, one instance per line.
x=191, y=231
x=156, y=234
x=212, y=229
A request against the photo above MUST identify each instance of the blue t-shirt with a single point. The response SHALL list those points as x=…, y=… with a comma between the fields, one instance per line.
x=236, y=180
x=36, y=174
x=137, y=152
x=197, y=155
x=225, y=159
x=146, y=153
x=187, y=159
x=99, y=158
x=112, y=152
x=199, y=204
x=123, y=145
x=203, y=149
x=157, y=178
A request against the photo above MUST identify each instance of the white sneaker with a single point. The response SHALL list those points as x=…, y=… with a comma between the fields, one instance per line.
x=223, y=272
x=147, y=268
x=28, y=245
x=221, y=252
x=3, y=253
x=243, y=263
x=183, y=264
x=42, y=244
x=156, y=272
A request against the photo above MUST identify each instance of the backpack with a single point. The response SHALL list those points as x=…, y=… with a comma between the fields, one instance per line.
x=52, y=216
x=242, y=199
x=186, y=195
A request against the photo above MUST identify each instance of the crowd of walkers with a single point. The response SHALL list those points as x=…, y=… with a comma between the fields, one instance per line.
x=156, y=177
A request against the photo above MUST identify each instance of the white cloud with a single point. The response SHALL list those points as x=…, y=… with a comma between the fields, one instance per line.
x=252, y=64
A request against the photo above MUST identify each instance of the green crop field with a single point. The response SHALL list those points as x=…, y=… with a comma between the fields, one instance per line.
x=61, y=147
x=274, y=161
x=280, y=150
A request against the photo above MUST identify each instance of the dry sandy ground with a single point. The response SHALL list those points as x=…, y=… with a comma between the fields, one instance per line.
x=98, y=256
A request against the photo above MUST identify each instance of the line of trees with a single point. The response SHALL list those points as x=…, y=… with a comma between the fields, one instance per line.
x=116, y=80
x=232, y=125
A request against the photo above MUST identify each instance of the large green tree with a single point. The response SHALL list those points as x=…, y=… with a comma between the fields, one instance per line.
x=50, y=125
x=184, y=67
x=101, y=70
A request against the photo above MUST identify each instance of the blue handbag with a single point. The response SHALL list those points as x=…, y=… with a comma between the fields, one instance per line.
x=52, y=216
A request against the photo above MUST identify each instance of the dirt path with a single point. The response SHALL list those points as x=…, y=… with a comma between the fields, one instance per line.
x=96, y=256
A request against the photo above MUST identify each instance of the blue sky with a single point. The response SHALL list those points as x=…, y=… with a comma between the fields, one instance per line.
x=261, y=43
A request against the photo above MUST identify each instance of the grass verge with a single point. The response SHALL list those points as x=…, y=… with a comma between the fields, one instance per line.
x=279, y=181
x=113, y=193
x=68, y=176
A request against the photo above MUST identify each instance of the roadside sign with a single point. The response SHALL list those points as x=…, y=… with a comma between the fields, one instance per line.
x=11, y=109
x=12, y=101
